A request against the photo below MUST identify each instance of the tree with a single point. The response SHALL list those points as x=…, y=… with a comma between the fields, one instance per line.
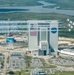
x=11, y=72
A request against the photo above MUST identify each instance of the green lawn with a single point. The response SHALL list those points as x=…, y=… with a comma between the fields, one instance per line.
x=58, y=73
x=38, y=16
x=64, y=73
x=34, y=16
x=21, y=73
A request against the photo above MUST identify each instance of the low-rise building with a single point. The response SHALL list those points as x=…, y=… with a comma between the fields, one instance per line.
x=16, y=60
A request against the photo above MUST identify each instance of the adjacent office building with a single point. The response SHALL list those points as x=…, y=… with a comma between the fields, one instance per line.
x=16, y=60
x=43, y=37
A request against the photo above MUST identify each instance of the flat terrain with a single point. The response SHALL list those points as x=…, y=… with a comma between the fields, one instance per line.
x=38, y=16
x=64, y=4
x=34, y=16
x=64, y=73
x=58, y=73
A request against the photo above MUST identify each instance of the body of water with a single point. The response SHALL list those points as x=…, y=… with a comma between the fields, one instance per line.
x=36, y=9
x=12, y=9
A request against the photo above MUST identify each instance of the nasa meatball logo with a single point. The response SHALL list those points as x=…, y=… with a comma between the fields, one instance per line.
x=53, y=30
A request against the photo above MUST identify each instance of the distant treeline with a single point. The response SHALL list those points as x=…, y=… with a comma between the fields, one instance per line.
x=38, y=16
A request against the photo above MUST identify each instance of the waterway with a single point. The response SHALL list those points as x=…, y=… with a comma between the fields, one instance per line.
x=36, y=9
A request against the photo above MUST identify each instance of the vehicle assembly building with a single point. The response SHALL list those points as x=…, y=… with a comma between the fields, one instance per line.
x=42, y=34
x=43, y=37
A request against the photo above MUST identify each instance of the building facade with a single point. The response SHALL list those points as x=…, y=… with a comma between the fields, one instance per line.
x=16, y=60
x=43, y=37
x=43, y=34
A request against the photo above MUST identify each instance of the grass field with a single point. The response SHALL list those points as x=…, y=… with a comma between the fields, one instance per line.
x=21, y=73
x=38, y=16
x=58, y=73
x=34, y=16
x=64, y=73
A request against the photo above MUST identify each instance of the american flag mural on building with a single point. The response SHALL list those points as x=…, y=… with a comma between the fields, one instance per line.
x=33, y=30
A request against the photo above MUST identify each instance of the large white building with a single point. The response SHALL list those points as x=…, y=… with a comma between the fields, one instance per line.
x=43, y=37
x=43, y=34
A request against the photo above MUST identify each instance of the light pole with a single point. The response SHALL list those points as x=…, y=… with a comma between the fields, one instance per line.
x=70, y=25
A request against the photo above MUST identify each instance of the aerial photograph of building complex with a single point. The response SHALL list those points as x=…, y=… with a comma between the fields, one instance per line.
x=36, y=37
